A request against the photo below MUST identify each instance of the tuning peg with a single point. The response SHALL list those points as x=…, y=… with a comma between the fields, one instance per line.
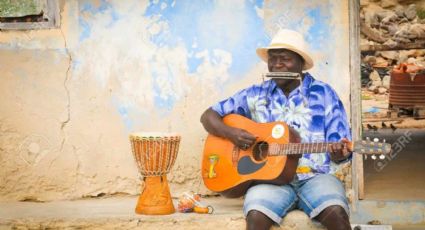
x=384, y=140
x=367, y=138
x=365, y=156
x=382, y=156
x=375, y=139
x=373, y=157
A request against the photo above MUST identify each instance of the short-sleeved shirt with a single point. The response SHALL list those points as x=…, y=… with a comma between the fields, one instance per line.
x=313, y=109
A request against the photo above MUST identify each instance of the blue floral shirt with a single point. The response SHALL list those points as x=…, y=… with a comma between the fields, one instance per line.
x=313, y=109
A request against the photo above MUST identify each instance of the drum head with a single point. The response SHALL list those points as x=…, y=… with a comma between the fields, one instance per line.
x=153, y=134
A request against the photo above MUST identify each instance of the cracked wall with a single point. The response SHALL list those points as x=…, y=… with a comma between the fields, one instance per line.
x=71, y=96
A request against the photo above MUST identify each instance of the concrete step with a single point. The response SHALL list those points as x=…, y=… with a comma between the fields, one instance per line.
x=118, y=213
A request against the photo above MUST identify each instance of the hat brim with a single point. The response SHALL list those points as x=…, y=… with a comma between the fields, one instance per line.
x=308, y=61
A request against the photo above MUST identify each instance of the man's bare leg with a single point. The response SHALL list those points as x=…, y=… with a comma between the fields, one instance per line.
x=258, y=221
x=334, y=218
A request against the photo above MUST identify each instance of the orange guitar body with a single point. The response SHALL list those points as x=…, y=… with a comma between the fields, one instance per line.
x=231, y=171
x=272, y=159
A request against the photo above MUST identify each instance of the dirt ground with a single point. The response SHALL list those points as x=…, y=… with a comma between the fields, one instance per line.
x=396, y=177
x=375, y=109
x=384, y=183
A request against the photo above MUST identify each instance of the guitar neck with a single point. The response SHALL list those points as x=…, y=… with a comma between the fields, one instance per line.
x=299, y=148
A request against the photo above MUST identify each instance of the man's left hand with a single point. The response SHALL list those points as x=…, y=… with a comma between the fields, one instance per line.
x=340, y=151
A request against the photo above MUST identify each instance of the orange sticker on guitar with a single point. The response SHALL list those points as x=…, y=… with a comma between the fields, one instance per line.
x=278, y=131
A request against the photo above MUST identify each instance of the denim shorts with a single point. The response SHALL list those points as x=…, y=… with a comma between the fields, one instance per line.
x=312, y=196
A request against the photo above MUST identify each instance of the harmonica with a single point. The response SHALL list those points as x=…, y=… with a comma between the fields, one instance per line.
x=283, y=75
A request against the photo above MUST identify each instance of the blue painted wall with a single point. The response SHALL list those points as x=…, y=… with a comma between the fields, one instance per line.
x=116, y=67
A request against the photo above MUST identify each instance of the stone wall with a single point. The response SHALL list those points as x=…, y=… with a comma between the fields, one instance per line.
x=392, y=32
x=392, y=23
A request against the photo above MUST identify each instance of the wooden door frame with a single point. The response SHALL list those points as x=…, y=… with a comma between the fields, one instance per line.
x=355, y=97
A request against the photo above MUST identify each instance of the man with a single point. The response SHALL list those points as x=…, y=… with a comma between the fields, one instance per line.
x=314, y=110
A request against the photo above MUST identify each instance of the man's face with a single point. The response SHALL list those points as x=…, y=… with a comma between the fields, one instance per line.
x=283, y=60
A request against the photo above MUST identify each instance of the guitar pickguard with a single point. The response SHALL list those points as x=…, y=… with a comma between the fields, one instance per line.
x=247, y=166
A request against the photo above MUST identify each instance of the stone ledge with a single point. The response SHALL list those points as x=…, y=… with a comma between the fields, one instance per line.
x=118, y=213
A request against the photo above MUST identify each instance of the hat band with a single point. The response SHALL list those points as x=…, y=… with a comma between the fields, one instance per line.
x=281, y=45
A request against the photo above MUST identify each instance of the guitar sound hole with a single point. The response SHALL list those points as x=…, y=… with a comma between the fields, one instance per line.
x=260, y=151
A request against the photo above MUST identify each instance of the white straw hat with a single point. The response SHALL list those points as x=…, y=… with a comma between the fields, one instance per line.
x=291, y=40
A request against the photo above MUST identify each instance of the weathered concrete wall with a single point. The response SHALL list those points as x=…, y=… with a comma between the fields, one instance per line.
x=70, y=96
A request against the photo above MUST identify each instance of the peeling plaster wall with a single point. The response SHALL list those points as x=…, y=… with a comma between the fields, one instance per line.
x=70, y=96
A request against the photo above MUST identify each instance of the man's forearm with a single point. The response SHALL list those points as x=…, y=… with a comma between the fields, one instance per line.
x=213, y=123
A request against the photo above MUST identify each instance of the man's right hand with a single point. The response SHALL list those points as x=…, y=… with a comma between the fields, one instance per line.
x=240, y=137
x=213, y=123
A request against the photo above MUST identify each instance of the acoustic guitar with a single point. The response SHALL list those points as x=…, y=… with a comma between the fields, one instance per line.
x=273, y=158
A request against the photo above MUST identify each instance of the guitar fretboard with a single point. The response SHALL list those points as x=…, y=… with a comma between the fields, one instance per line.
x=299, y=148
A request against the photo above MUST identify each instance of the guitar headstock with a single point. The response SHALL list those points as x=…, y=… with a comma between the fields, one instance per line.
x=372, y=147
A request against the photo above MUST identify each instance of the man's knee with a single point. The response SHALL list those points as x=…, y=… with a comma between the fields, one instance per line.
x=257, y=216
x=334, y=211
x=334, y=217
x=337, y=210
x=258, y=220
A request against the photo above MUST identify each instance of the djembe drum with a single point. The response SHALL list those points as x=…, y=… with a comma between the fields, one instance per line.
x=155, y=154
